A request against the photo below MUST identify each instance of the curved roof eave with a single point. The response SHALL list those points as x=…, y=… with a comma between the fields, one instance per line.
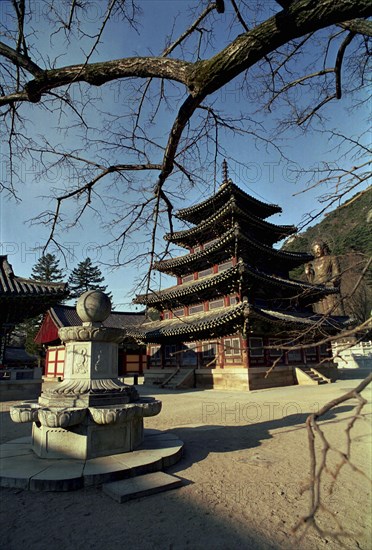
x=188, y=237
x=207, y=325
x=228, y=188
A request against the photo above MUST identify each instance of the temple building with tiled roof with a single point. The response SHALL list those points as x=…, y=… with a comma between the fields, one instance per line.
x=22, y=299
x=234, y=307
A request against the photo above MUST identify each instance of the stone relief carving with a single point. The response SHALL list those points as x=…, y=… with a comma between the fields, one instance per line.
x=98, y=364
x=80, y=364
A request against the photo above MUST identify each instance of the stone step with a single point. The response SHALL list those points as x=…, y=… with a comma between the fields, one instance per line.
x=176, y=379
x=141, y=486
x=316, y=377
x=21, y=468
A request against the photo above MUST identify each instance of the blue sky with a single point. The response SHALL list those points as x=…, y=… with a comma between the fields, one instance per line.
x=265, y=175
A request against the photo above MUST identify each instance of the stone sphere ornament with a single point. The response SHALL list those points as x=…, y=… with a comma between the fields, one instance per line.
x=94, y=306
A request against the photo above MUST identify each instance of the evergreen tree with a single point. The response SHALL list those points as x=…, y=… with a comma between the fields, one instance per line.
x=26, y=333
x=47, y=269
x=85, y=277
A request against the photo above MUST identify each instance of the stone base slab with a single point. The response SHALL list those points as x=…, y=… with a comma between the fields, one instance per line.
x=21, y=468
x=141, y=486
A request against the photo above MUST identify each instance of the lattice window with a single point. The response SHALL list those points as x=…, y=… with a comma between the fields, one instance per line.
x=205, y=272
x=214, y=304
x=209, y=244
x=188, y=278
x=179, y=312
x=232, y=346
x=209, y=349
x=55, y=361
x=225, y=266
x=275, y=352
x=198, y=308
x=189, y=356
x=256, y=347
x=324, y=351
x=170, y=355
x=294, y=355
x=154, y=352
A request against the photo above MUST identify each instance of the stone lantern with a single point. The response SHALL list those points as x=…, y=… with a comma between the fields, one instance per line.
x=91, y=413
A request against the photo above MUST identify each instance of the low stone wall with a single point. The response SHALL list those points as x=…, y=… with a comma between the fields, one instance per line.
x=279, y=376
x=18, y=390
x=223, y=379
x=18, y=384
x=20, y=373
x=243, y=379
x=239, y=378
x=229, y=378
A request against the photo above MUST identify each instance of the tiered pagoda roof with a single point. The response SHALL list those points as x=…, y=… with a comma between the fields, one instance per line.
x=234, y=238
x=218, y=221
x=235, y=241
x=199, y=326
x=195, y=214
x=22, y=298
x=229, y=320
x=227, y=282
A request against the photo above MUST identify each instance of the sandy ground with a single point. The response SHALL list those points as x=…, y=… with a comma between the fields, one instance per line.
x=246, y=459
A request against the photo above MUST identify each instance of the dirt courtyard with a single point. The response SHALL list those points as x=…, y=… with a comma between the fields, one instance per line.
x=245, y=462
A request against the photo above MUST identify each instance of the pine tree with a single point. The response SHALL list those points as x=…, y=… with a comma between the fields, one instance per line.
x=85, y=277
x=47, y=269
x=27, y=332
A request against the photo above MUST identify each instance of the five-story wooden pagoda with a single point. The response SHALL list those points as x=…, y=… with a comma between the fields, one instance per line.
x=234, y=305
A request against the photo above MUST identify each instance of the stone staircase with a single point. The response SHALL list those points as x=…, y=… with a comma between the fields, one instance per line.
x=181, y=378
x=309, y=376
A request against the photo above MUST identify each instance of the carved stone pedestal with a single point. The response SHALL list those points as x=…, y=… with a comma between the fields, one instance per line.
x=87, y=440
x=91, y=413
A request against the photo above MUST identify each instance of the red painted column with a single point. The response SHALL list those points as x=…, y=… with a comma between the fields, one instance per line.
x=221, y=354
x=245, y=348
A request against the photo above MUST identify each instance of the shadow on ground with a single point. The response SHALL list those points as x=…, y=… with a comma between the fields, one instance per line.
x=202, y=440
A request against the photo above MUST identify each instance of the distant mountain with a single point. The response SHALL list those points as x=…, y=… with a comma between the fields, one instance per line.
x=347, y=229
x=348, y=232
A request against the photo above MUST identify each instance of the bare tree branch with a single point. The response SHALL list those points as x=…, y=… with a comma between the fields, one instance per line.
x=319, y=468
x=360, y=26
x=20, y=60
x=340, y=56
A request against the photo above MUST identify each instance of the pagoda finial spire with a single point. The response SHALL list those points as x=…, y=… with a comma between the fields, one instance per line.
x=225, y=172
